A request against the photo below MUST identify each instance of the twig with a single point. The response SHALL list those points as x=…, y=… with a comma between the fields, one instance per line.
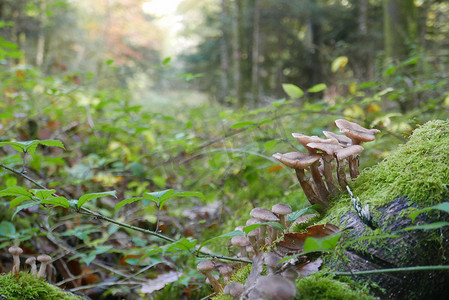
x=393, y=270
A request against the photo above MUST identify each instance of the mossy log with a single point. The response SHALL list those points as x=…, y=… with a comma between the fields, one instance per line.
x=413, y=177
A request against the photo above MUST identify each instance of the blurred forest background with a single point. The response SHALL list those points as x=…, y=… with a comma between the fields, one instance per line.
x=195, y=95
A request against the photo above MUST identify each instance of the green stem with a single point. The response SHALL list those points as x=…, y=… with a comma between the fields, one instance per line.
x=393, y=270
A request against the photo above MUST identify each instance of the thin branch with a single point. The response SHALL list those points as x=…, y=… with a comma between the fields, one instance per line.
x=393, y=270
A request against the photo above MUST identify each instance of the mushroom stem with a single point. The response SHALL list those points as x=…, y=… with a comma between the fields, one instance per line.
x=354, y=166
x=307, y=187
x=328, y=175
x=341, y=174
x=321, y=187
x=214, y=282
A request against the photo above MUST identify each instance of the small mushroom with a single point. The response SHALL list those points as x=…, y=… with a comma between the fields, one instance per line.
x=234, y=289
x=358, y=135
x=241, y=241
x=206, y=267
x=264, y=215
x=32, y=262
x=282, y=210
x=301, y=161
x=15, y=251
x=44, y=260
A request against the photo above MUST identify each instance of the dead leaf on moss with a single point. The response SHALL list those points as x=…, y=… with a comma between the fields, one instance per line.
x=293, y=242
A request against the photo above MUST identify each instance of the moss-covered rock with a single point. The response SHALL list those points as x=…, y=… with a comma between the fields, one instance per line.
x=25, y=286
x=414, y=176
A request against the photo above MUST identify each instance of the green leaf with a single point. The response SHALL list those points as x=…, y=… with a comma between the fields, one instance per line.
x=226, y=235
x=109, y=61
x=159, y=198
x=317, y=88
x=15, y=191
x=7, y=228
x=57, y=201
x=444, y=206
x=87, y=197
x=182, y=244
x=43, y=193
x=126, y=201
x=270, y=144
x=52, y=143
x=18, y=200
x=308, y=210
x=243, y=124
x=166, y=60
x=430, y=226
x=327, y=243
x=16, y=146
x=292, y=90
x=339, y=63
x=24, y=206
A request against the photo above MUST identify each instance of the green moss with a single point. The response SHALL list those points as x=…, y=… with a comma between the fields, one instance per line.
x=27, y=287
x=418, y=170
x=322, y=287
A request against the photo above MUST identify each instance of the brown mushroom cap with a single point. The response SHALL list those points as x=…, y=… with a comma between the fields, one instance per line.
x=263, y=214
x=328, y=148
x=205, y=266
x=234, y=289
x=348, y=151
x=252, y=221
x=305, y=139
x=44, y=258
x=355, y=132
x=30, y=260
x=297, y=160
x=343, y=140
x=240, y=241
x=281, y=209
x=14, y=250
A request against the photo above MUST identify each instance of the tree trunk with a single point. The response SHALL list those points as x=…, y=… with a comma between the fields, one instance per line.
x=255, y=54
x=237, y=26
x=224, y=55
x=40, y=47
x=362, y=18
x=400, y=27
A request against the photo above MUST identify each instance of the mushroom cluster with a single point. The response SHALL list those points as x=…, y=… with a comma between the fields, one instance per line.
x=250, y=246
x=43, y=259
x=325, y=155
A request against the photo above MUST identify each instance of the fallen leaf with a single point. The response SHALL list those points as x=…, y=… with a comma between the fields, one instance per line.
x=160, y=282
x=308, y=268
x=293, y=242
